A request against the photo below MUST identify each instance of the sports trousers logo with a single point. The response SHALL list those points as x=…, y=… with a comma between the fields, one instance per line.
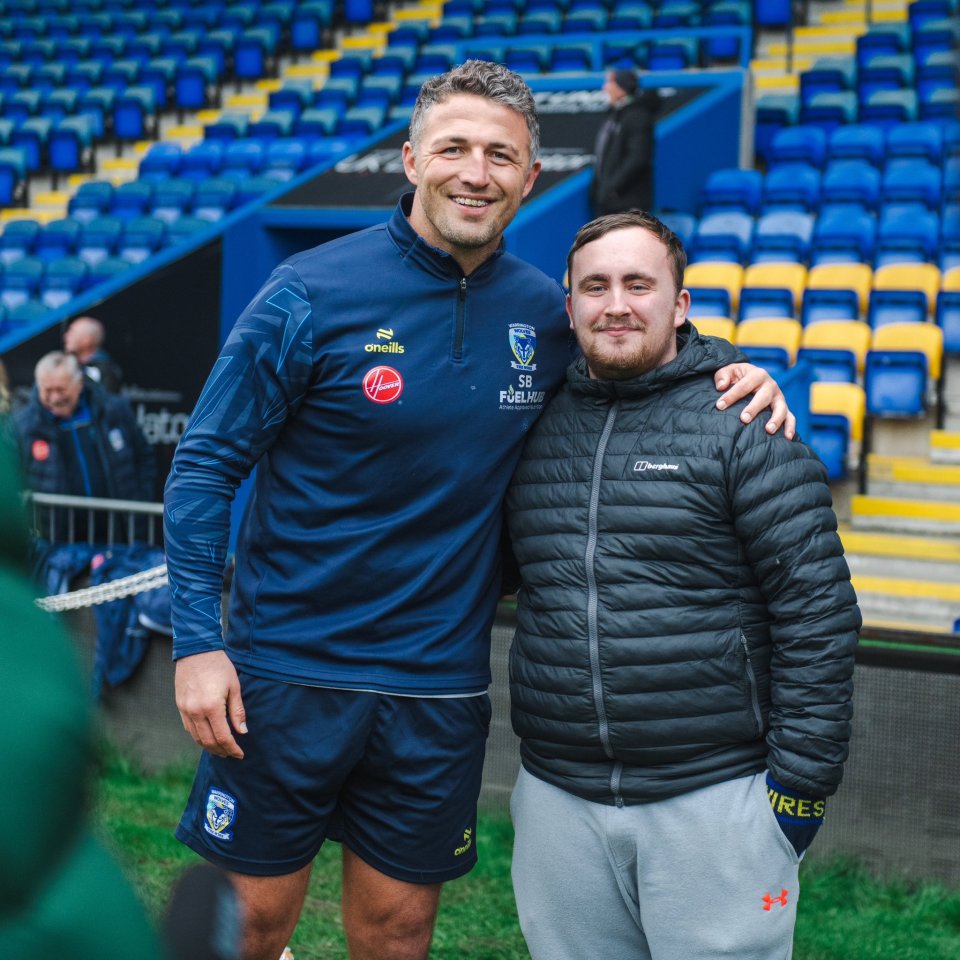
x=769, y=901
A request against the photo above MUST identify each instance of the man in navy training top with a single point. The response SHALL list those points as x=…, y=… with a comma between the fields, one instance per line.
x=383, y=383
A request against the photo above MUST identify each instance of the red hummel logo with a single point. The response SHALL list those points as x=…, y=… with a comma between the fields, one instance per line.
x=769, y=901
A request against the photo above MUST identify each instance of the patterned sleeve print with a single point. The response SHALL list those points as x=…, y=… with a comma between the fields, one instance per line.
x=255, y=386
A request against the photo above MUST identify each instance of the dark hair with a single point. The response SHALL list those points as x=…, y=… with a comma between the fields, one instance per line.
x=600, y=227
x=483, y=79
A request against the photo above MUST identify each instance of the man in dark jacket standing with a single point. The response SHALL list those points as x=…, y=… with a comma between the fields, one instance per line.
x=623, y=165
x=681, y=676
x=76, y=438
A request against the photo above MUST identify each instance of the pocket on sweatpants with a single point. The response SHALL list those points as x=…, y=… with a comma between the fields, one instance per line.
x=768, y=817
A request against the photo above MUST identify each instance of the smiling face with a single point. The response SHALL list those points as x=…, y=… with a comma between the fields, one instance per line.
x=624, y=306
x=59, y=390
x=471, y=170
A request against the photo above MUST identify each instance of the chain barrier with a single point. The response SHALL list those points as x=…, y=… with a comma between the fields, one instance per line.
x=105, y=592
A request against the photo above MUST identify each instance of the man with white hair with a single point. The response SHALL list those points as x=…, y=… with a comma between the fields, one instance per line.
x=76, y=438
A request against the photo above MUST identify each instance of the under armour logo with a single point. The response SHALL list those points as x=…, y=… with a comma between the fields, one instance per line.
x=769, y=901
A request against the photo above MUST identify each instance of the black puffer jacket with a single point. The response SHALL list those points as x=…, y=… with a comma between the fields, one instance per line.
x=686, y=615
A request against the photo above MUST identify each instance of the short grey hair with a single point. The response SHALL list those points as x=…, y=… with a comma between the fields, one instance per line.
x=492, y=81
x=58, y=360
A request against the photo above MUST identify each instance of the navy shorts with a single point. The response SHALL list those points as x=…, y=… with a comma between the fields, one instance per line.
x=394, y=778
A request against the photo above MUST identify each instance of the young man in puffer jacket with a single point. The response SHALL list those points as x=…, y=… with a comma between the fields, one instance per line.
x=682, y=670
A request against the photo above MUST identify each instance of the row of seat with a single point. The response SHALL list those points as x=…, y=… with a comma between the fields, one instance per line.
x=930, y=140
x=889, y=372
x=896, y=90
x=853, y=291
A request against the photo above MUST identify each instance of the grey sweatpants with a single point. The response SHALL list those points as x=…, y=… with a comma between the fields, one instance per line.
x=705, y=875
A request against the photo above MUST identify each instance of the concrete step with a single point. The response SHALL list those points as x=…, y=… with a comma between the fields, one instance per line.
x=912, y=477
x=908, y=601
x=878, y=554
x=945, y=446
x=936, y=518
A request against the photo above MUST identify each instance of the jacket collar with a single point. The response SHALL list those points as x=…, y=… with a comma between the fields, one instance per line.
x=414, y=248
x=695, y=356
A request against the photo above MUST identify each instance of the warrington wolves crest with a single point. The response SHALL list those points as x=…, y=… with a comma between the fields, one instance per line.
x=220, y=813
x=523, y=344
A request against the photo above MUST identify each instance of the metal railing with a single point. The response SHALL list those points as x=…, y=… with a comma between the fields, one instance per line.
x=63, y=518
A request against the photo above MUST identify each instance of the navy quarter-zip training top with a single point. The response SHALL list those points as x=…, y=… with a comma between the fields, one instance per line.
x=385, y=399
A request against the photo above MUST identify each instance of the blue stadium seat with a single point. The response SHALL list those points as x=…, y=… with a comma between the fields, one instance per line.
x=710, y=302
x=63, y=279
x=203, y=160
x=726, y=13
x=852, y=182
x=255, y=54
x=161, y=161
x=285, y=158
x=682, y=224
x=732, y=189
x=723, y=235
x=907, y=235
x=677, y=53
x=243, y=157
x=294, y=96
x=184, y=228
x=883, y=38
x=58, y=239
x=106, y=269
x=141, y=238
x=857, y=141
x=936, y=70
x=830, y=441
x=773, y=302
x=800, y=144
x=20, y=281
x=844, y=235
x=91, y=200
x=792, y=186
x=896, y=306
x=922, y=139
x=13, y=177
x=783, y=235
x=309, y=25
x=889, y=107
x=172, y=198
x=26, y=314
x=18, y=240
x=214, y=198
x=70, y=147
x=830, y=109
x=135, y=114
x=893, y=71
x=196, y=83
x=98, y=239
x=948, y=319
x=773, y=112
x=909, y=180
x=272, y=124
x=895, y=382
x=822, y=303
x=940, y=104
x=827, y=75
x=33, y=136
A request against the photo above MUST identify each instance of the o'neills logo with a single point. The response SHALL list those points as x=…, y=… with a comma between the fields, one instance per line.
x=382, y=384
x=647, y=465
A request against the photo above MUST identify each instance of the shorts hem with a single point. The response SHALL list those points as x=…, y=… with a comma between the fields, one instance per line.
x=252, y=868
x=397, y=872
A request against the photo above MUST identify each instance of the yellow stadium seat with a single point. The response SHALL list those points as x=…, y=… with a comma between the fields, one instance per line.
x=843, y=276
x=852, y=335
x=950, y=279
x=926, y=338
x=846, y=399
x=780, y=333
x=712, y=273
x=722, y=327
x=910, y=276
x=791, y=276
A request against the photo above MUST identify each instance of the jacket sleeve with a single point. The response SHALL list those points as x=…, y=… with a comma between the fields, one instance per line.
x=786, y=526
x=256, y=385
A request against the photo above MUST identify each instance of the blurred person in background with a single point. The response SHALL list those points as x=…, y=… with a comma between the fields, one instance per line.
x=75, y=438
x=84, y=338
x=624, y=151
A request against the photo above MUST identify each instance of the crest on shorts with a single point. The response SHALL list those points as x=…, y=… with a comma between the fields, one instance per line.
x=523, y=345
x=220, y=813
